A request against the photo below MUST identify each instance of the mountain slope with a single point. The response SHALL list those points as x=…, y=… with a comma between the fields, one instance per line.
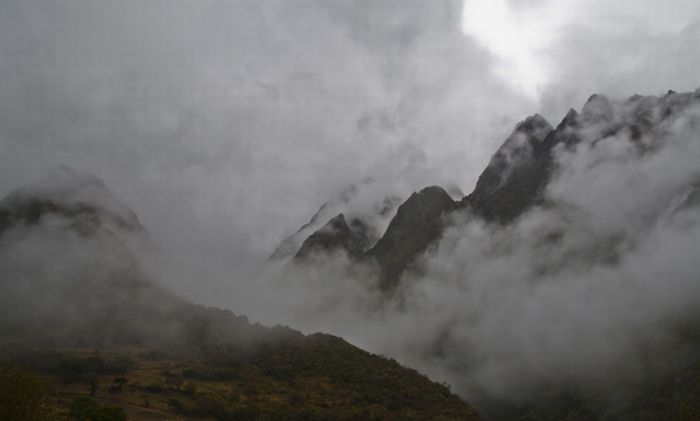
x=516, y=175
x=417, y=224
x=336, y=235
x=64, y=192
x=520, y=171
x=71, y=281
x=365, y=207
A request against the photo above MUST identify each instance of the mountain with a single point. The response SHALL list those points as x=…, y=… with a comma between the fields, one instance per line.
x=63, y=192
x=518, y=175
x=336, y=235
x=580, y=239
x=363, y=204
x=79, y=314
x=418, y=223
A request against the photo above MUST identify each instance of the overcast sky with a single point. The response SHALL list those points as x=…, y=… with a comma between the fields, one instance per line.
x=225, y=124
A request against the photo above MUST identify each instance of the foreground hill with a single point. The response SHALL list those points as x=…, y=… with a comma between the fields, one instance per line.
x=316, y=377
x=79, y=318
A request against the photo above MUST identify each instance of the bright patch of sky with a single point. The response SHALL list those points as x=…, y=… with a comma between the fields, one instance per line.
x=517, y=36
x=522, y=34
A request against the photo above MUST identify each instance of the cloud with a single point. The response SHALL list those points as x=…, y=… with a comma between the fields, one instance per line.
x=225, y=124
x=599, y=280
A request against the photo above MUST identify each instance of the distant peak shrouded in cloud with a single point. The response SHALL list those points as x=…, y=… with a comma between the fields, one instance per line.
x=586, y=269
x=366, y=207
x=249, y=115
x=65, y=192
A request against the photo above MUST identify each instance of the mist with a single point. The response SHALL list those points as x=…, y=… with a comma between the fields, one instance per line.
x=600, y=279
x=226, y=125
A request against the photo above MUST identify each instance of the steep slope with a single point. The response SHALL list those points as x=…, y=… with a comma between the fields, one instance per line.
x=365, y=207
x=67, y=286
x=334, y=236
x=516, y=175
x=290, y=245
x=417, y=224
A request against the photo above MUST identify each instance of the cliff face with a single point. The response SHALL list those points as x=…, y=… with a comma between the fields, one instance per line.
x=419, y=221
x=334, y=236
x=516, y=175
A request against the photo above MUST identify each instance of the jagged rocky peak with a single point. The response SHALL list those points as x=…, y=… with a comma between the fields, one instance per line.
x=68, y=193
x=334, y=236
x=514, y=181
x=637, y=117
x=535, y=126
x=519, y=171
x=673, y=102
x=290, y=245
x=514, y=171
x=525, y=141
x=364, y=203
x=426, y=204
x=566, y=131
x=420, y=208
x=597, y=108
x=419, y=221
x=570, y=120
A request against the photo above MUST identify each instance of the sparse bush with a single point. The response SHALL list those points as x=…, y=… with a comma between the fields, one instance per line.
x=189, y=388
x=155, y=386
x=86, y=409
x=24, y=396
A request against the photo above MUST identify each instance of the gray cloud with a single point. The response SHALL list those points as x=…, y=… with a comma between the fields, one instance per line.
x=596, y=281
x=225, y=124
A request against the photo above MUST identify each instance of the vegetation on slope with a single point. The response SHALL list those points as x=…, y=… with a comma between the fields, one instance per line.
x=319, y=377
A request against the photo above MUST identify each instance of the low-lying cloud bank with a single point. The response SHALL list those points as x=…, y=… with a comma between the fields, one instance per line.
x=590, y=289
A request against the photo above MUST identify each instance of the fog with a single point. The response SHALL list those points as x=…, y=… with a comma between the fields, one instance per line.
x=226, y=124
x=598, y=280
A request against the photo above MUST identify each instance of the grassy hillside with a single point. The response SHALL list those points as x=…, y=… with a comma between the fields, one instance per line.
x=318, y=377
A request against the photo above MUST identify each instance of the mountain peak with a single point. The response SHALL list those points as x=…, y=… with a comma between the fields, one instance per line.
x=598, y=107
x=519, y=152
x=336, y=235
x=70, y=193
x=536, y=125
x=432, y=192
x=568, y=120
x=516, y=171
x=418, y=222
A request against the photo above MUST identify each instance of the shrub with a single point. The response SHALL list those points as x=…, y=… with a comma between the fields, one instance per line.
x=86, y=409
x=24, y=396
